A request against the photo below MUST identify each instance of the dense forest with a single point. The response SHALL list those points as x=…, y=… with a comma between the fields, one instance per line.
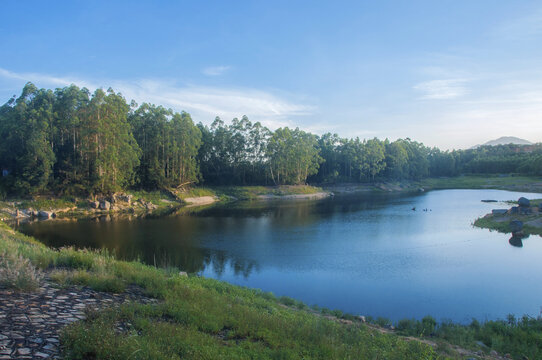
x=71, y=141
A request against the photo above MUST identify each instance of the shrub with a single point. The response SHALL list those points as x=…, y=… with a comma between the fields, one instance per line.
x=18, y=273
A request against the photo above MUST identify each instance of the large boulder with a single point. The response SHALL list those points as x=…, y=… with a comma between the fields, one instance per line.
x=45, y=214
x=95, y=204
x=516, y=226
x=105, y=205
x=524, y=202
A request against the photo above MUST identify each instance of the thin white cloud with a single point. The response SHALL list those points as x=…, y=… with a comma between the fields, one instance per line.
x=524, y=27
x=215, y=70
x=203, y=103
x=442, y=89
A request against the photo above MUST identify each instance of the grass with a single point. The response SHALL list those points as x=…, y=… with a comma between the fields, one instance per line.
x=501, y=224
x=46, y=203
x=17, y=272
x=518, y=183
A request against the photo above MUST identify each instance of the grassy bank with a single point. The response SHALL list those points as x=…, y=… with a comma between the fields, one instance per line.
x=508, y=182
x=200, y=318
x=197, y=318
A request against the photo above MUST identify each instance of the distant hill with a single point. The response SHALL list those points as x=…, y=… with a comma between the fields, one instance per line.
x=504, y=140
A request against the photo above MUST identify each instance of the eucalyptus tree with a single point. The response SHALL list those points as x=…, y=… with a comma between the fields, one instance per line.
x=293, y=156
x=26, y=153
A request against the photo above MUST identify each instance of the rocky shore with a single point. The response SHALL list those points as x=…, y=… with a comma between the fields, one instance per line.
x=521, y=220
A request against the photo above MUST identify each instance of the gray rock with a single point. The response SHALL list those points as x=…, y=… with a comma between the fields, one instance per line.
x=362, y=319
x=525, y=211
x=94, y=204
x=524, y=202
x=125, y=198
x=499, y=211
x=45, y=214
x=516, y=226
x=105, y=205
x=183, y=273
x=514, y=210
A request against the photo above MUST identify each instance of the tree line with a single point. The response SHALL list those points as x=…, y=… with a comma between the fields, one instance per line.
x=70, y=140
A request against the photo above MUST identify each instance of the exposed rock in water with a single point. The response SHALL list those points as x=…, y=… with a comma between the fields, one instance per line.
x=524, y=202
x=94, y=204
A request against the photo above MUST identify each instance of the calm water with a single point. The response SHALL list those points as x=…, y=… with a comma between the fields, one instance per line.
x=364, y=254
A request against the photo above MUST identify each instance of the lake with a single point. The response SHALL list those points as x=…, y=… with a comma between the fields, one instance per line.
x=367, y=254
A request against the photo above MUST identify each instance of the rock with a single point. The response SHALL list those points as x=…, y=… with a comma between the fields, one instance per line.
x=150, y=206
x=105, y=205
x=94, y=204
x=493, y=353
x=524, y=202
x=525, y=211
x=183, y=273
x=516, y=226
x=499, y=211
x=514, y=210
x=362, y=319
x=125, y=198
x=45, y=214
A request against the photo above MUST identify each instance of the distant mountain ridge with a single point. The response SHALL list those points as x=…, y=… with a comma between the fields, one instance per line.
x=505, y=140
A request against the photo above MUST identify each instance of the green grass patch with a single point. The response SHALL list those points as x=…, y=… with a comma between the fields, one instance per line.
x=44, y=203
x=509, y=182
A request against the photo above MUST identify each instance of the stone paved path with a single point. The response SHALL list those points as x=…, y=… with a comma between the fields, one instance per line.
x=30, y=322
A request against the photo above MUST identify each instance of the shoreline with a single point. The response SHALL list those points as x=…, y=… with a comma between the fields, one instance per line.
x=141, y=203
x=81, y=271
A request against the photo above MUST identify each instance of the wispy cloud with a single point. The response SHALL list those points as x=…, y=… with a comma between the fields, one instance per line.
x=203, y=103
x=442, y=89
x=523, y=27
x=215, y=70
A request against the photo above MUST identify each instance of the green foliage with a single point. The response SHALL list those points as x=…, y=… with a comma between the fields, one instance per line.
x=293, y=156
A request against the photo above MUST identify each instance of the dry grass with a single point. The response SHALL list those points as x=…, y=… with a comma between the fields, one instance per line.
x=17, y=272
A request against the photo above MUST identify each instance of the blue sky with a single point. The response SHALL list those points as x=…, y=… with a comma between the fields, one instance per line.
x=448, y=73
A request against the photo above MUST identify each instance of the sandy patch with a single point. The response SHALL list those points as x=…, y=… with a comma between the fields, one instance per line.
x=199, y=201
x=315, y=196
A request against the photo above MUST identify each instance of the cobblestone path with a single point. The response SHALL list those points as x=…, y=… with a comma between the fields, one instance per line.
x=30, y=322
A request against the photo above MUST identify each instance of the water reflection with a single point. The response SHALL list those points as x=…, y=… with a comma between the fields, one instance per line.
x=517, y=239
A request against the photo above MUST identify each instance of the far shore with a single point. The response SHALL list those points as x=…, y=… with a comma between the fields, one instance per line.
x=157, y=202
